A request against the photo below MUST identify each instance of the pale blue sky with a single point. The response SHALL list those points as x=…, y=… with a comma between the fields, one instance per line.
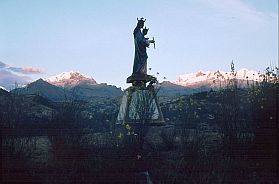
x=95, y=37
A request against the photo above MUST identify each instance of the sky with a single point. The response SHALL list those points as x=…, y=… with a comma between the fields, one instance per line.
x=41, y=38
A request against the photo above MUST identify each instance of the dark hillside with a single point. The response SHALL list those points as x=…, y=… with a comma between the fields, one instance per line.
x=44, y=89
x=224, y=136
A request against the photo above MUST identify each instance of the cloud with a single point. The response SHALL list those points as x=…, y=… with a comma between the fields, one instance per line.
x=22, y=70
x=11, y=75
x=26, y=70
x=33, y=70
x=9, y=79
x=2, y=65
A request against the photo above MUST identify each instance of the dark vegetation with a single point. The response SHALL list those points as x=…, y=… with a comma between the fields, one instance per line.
x=224, y=136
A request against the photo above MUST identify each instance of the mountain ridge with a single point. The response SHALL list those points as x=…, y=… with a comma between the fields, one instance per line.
x=81, y=91
x=215, y=78
x=73, y=83
x=1, y=87
x=44, y=89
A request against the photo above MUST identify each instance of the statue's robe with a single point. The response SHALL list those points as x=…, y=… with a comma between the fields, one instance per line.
x=140, y=59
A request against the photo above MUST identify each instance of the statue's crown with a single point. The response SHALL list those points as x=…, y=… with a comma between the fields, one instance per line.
x=141, y=19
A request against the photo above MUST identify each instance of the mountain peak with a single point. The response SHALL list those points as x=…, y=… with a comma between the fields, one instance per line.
x=40, y=80
x=71, y=79
x=209, y=77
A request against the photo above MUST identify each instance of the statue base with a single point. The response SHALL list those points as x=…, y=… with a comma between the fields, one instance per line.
x=141, y=79
x=140, y=107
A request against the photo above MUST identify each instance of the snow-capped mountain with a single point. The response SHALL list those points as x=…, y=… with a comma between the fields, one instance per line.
x=1, y=87
x=71, y=79
x=210, y=78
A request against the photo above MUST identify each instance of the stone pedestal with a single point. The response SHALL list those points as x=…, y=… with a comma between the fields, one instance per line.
x=140, y=106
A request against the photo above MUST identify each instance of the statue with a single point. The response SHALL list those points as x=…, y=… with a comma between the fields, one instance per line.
x=140, y=108
x=140, y=59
